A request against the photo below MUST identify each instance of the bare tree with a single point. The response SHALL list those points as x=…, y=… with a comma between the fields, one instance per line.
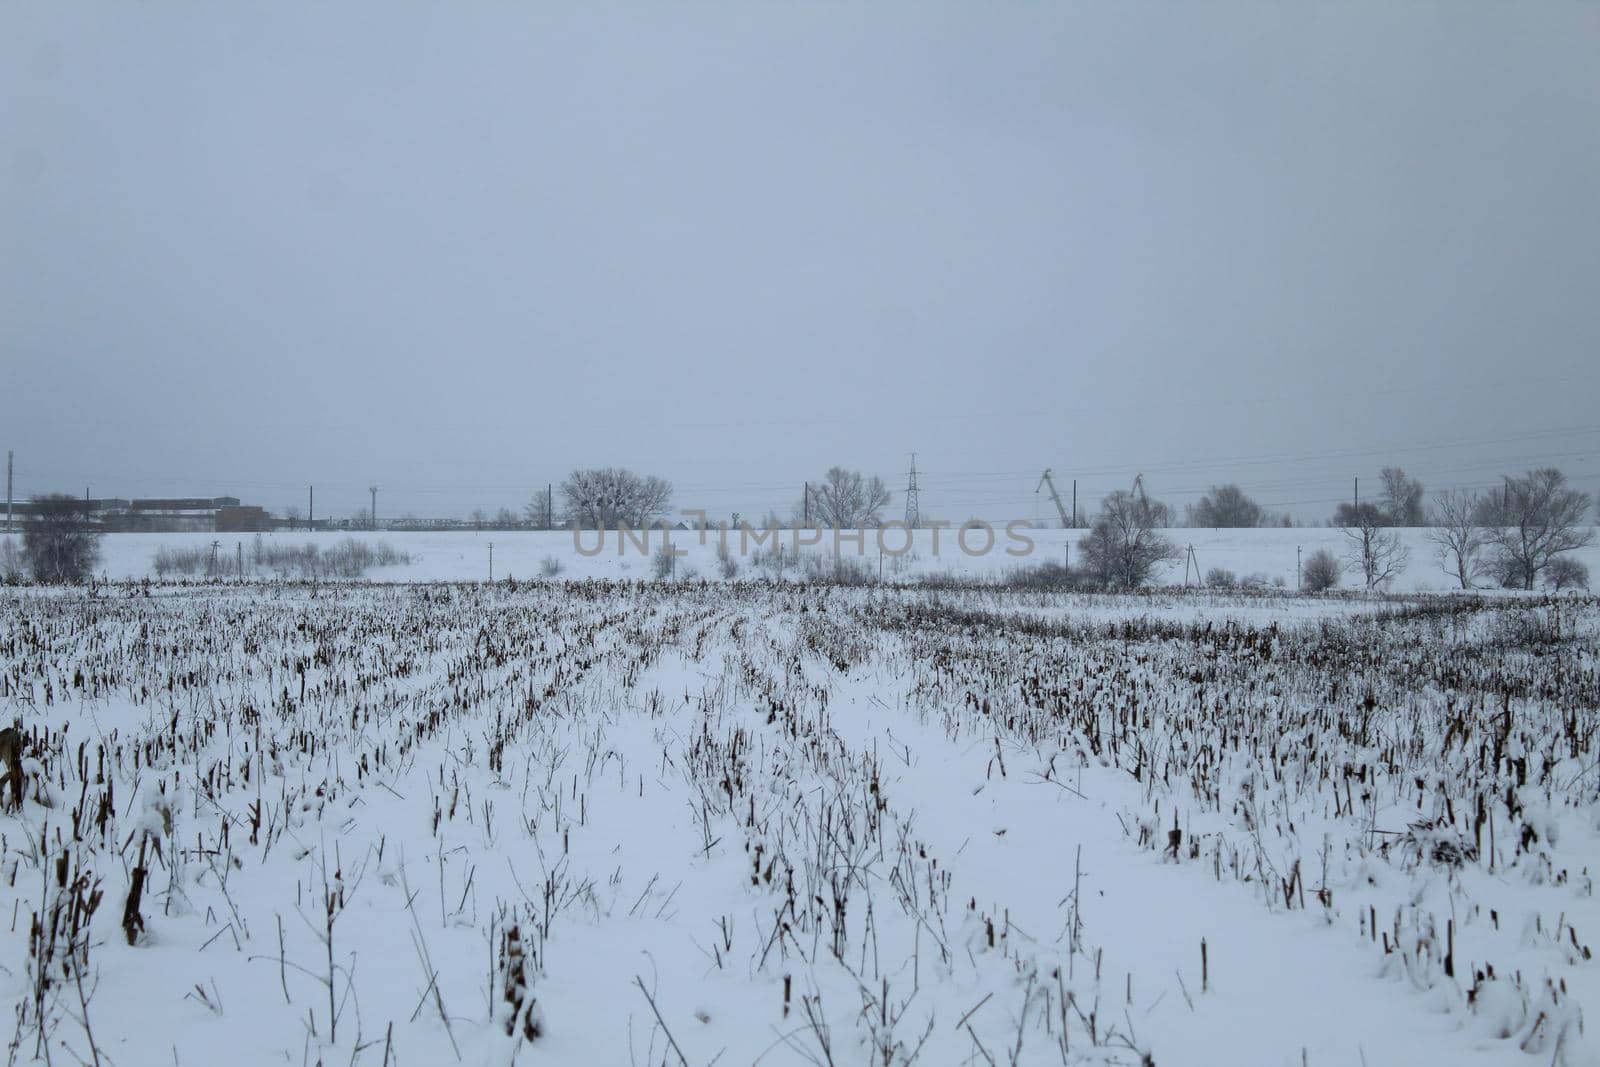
x=1124, y=545
x=1226, y=507
x=1402, y=498
x=538, y=512
x=1374, y=550
x=846, y=500
x=1533, y=520
x=1565, y=572
x=1457, y=533
x=59, y=541
x=613, y=496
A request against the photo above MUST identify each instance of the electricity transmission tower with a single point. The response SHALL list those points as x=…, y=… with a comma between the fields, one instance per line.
x=913, y=505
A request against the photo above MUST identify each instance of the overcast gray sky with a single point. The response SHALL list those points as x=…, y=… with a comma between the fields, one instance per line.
x=458, y=249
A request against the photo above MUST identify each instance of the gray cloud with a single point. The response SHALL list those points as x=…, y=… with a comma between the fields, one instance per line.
x=457, y=250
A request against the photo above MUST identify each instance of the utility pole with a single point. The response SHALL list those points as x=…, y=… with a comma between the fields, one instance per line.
x=1189, y=558
x=1074, y=503
x=912, y=502
x=8, y=488
x=311, y=507
x=238, y=551
x=549, y=505
x=374, y=491
x=805, y=507
x=1297, y=580
x=491, y=562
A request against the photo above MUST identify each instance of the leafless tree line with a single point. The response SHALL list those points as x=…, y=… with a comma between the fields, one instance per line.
x=1516, y=534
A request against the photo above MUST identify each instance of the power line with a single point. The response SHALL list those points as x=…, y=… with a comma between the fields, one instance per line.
x=1146, y=463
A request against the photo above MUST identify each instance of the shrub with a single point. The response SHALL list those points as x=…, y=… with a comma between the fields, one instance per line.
x=184, y=561
x=1221, y=578
x=351, y=558
x=1507, y=571
x=829, y=569
x=13, y=566
x=773, y=561
x=60, y=543
x=347, y=559
x=550, y=567
x=1048, y=576
x=727, y=566
x=1564, y=572
x=904, y=564
x=1320, y=571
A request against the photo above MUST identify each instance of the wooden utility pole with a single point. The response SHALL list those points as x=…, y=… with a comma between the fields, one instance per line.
x=1074, y=503
x=374, y=491
x=8, y=488
x=491, y=562
x=805, y=506
x=311, y=507
x=549, y=506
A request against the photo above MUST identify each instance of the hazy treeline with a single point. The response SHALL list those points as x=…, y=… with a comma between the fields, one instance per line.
x=347, y=559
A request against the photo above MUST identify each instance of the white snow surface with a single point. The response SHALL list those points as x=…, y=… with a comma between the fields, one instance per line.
x=465, y=556
x=744, y=825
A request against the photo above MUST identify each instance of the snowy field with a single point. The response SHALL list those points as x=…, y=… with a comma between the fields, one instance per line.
x=1268, y=553
x=651, y=824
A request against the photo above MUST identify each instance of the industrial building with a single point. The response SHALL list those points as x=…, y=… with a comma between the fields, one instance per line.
x=163, y=514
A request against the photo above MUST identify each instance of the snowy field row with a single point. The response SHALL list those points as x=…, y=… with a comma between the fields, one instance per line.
x=1269, y=555
x=654, y=824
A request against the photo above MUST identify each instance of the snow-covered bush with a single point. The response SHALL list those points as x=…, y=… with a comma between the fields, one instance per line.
x=13, y=567
x=727, y=566
x=1320, y=571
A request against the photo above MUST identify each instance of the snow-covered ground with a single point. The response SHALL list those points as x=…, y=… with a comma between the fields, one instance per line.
x=465, y=556
x=777, y=825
